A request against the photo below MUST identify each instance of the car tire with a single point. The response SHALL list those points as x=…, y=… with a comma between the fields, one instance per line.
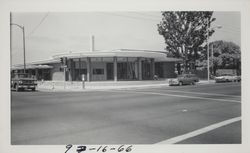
x=33, y=89
x=180, y=83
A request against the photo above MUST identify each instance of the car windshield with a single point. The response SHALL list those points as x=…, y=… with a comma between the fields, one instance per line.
x=226, y=75
x=22, y=75
x=182, y=75
x=185, y=75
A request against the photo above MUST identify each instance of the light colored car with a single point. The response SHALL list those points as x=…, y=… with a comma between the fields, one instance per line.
x=227, y=78
x=184, y=79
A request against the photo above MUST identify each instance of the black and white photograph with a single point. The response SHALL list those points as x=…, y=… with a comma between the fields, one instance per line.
x=168, y=77
x=162, y=77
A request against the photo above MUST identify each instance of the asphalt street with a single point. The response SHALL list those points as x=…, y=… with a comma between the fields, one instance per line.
x=196, y=114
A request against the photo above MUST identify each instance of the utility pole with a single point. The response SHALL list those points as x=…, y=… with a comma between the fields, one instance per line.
x=24, y=56
x=10, y=39
x=22, y=27
x=208, y=72
x=212, y=57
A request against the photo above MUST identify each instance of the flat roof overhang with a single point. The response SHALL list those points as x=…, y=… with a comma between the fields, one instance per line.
x=158, y=56
x=28, y=67
x=111, y=54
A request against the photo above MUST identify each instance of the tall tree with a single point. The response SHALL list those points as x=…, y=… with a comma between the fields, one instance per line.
x=185, y=33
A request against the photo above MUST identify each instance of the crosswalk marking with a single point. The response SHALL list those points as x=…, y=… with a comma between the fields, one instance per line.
x=199, y=131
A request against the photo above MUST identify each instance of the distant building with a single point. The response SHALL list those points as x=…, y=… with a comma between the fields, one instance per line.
x=117, y=65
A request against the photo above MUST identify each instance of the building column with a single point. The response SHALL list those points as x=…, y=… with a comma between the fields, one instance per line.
x=115, y=68
x=139, y=68
x=79, y=70
x=65, y=73
x=70, y=70
x=152, y=68
x=42, y=74
x=88, y=69
x=36, y=73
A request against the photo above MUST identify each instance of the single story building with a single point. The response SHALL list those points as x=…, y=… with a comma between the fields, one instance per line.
x=116, y=65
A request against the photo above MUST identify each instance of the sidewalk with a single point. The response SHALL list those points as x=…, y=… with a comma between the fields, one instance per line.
x=102, y=85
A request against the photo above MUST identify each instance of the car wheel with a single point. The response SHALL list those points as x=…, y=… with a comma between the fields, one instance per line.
x=193, y=83
x=33, y=89
x=180, y=83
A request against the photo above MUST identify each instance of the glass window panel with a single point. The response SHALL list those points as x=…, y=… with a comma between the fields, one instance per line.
x=108, y=59
x=121, y=59
x=98, y=71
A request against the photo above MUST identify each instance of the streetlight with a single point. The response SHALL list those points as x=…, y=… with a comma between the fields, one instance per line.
x=22, y=27
x=208, y=65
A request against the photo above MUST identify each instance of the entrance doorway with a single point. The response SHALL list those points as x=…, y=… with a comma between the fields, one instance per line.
x=126, y=71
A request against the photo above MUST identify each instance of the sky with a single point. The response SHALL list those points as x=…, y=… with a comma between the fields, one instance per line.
x=51, y=33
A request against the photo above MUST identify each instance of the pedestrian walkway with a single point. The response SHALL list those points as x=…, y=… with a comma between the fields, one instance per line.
x=101, y=85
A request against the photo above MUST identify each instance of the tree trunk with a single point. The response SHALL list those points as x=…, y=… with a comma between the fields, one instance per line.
x=185, y=58
x=179, y=68
x=214, y=73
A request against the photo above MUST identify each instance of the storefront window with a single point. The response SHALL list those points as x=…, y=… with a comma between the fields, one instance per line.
x=126, y=71
x=98, y=71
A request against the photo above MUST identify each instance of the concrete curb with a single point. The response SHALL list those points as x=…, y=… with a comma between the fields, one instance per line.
x=101, y=88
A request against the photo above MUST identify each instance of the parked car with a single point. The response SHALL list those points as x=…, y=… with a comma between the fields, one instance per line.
x=23, y=81
x=184, y=79
x=227, y=78
x=238, y=78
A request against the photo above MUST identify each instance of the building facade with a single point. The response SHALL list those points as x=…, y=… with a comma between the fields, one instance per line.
x=114, y=65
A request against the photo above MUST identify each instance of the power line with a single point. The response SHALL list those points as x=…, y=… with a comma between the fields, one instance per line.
x=229, y=26
x=147, y=15
x=233, y=29
x=228, y=31
x=132, y=17
x=45, y=16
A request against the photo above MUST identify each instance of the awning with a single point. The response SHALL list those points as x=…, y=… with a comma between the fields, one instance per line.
x=19, y=67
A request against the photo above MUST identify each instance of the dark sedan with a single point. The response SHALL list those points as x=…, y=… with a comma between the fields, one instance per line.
x=184, y=79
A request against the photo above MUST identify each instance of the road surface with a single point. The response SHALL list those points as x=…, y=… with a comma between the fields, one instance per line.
x=200, y=114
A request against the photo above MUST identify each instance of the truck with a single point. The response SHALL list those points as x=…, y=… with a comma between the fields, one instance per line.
x=22, y=81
